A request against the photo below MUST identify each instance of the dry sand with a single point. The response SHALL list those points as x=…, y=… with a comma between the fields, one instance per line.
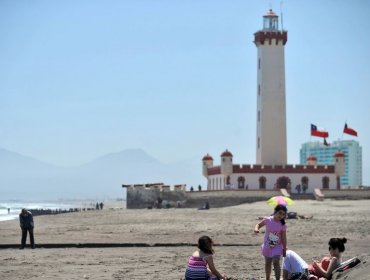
x=231, y=225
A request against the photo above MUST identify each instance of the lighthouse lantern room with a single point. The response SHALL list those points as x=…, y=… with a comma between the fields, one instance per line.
x=270, y=21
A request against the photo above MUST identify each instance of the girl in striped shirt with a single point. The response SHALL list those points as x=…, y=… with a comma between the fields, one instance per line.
x=200, y=264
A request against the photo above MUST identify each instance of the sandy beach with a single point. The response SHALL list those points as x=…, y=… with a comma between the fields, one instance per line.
x=231, y=226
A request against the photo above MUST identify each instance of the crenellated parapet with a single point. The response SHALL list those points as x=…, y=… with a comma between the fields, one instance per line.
x=155, y=186
x=270, y=37
x=214, y=170
x=245, y=168
x=289, y=168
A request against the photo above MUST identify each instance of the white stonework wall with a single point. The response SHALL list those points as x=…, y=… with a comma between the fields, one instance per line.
x=271, y=124
x=217, y=182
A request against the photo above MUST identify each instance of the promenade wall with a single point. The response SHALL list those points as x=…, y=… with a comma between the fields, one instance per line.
x=224, y=198
x=140, y=198
x=347, y=194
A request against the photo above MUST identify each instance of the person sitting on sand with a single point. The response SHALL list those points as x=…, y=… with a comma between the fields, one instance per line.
x=291, y=215
x=205, y=206
x=295, y=215
x=294, y=267
x=200, y=264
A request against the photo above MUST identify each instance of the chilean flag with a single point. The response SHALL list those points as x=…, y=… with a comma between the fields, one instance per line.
x=318, y=133
x=349, y=131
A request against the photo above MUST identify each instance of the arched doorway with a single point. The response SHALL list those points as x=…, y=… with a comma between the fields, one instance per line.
x=283, y=182
x=304, y=183
x=325, y=182
x=241, y=182
x=228, y=180
x=262, y=181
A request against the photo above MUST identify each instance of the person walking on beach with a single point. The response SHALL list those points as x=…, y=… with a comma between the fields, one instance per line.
x=26, y=224
x=275, y=240
x=200, y=264
x=294, y=267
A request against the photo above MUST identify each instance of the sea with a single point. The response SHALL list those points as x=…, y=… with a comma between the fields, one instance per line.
x=9, y=210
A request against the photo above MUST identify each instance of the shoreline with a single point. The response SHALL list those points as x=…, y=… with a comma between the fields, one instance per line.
x=53, y=207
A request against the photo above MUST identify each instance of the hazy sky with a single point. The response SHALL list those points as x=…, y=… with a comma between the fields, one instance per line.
x=177, y=78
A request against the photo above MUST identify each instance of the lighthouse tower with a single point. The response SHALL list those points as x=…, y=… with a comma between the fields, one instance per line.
x=271, y=112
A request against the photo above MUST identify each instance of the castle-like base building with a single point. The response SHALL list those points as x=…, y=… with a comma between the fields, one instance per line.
x=304, y=178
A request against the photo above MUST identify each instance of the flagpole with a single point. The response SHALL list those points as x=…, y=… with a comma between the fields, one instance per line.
x=281, y=15
x=341, y=140
x=343, y=130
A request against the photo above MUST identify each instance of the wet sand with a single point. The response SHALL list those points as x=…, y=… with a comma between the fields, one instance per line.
x=228, y=226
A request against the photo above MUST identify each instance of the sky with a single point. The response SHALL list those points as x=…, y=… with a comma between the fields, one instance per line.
x=176, y=78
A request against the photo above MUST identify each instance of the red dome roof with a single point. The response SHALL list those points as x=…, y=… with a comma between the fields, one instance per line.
x=339, y=154
x=270, y=13
x=207, y=157
x=226, y=154
x=311, y=157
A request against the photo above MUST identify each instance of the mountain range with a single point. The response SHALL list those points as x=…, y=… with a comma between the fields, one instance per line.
x=23, y=177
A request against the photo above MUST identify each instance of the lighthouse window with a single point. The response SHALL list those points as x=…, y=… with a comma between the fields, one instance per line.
x=271, y=23
x=259, y=63
x=259, y=90
x=259, y=115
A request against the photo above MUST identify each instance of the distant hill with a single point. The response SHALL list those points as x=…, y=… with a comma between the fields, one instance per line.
x=23, y=177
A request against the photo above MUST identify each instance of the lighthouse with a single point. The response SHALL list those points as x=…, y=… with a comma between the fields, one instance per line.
x=271, y=171
x=271, y=109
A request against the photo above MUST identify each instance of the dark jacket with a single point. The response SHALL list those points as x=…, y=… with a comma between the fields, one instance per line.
x=26, y=221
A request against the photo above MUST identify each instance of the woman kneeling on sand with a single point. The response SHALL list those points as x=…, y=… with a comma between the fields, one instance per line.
x=200, y=264
x=295, y=268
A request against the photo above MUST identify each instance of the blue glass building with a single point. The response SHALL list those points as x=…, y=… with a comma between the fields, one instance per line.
x=324, y=154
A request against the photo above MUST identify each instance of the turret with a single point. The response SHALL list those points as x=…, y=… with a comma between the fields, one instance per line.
x=339, y=166
x=311, y=160
x=207, y=163
x=226, y=163
x=339, y=163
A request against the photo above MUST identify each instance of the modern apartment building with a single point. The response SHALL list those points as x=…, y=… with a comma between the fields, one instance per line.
x=325, y=155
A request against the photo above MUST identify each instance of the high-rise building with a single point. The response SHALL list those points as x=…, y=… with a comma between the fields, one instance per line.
x=324, y=155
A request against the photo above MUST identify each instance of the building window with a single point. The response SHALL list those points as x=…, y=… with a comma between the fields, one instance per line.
x=259, y=63
x=259, y=115
x=258, y=143
x=259, y=90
